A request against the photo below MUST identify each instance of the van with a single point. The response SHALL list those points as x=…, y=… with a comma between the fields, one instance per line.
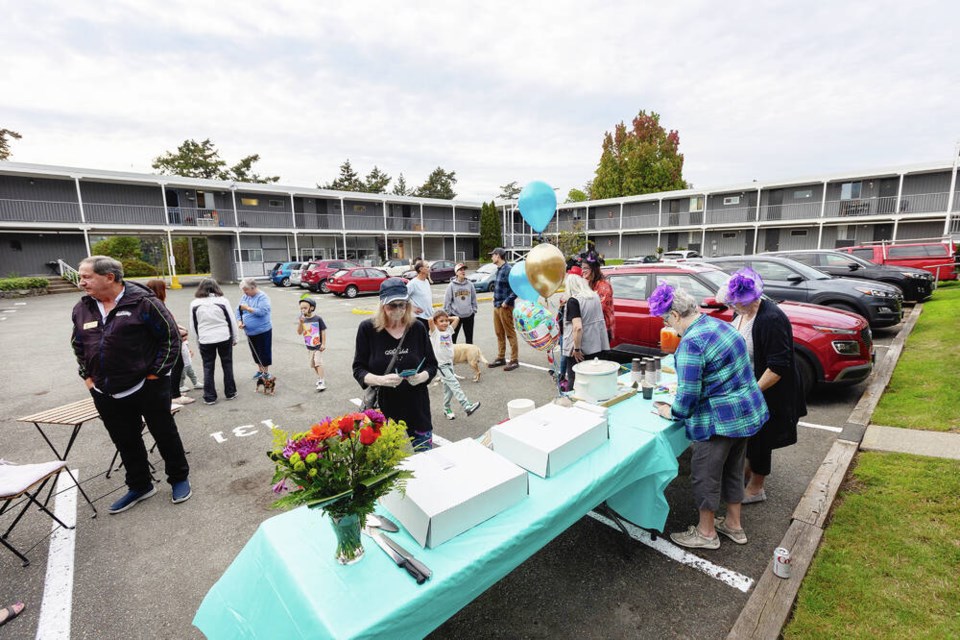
x=935, y=257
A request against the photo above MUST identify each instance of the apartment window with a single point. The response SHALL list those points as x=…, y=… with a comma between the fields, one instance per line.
x=696, y=203
x=248, y=255
x=803, y=194
x=731, y=200
x=798, y=233
x=359, y=208
x=674, y=206
x=276, y=203
x=850, y=191
x=250, y=202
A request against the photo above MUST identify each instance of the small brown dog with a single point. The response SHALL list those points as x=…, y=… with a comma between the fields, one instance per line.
x=268, y=384
x=469, y=353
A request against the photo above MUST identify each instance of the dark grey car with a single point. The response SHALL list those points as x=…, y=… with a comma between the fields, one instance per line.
x=917, y=285
x=784, y=279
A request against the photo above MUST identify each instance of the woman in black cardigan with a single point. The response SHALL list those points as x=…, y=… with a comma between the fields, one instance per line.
x=769, y=338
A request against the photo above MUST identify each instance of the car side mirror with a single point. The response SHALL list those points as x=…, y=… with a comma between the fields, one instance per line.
x=795, y=279
x=712, y=303
x=854, y=266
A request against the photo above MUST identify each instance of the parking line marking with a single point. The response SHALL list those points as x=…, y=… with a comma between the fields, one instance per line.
x=534, y=366
x=822, y=427
x=57, y=604
x=730, y=578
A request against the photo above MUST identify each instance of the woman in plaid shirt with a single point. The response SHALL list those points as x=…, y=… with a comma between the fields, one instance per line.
x=720, y=405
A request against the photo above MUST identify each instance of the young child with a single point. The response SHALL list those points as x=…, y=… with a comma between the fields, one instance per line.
x=441, y=335
x=187, y=354
x=314, y=332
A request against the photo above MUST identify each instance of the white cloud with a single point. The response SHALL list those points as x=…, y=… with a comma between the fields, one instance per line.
x=496, y=91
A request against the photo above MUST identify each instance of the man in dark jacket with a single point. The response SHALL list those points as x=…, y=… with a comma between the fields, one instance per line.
x=126, y=343
x=503, y=299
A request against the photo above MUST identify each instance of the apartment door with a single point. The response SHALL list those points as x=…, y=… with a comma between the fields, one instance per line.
x=774, y=205
x=888, y=195
x=771, y=239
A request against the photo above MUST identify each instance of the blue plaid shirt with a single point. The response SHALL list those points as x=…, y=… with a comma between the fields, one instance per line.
x=716, y=391
x=502, y=293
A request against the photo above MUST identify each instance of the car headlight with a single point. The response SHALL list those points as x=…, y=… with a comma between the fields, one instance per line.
x=912, y=276
x=846, y=347
x=876, y=293
x=835, y=330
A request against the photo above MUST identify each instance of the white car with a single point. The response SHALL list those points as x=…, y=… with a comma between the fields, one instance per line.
x=295, y=275
x=396, y=267
x=680, y=256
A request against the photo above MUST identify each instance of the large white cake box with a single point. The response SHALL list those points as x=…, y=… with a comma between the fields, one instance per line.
x=455, y=487
x=551, y=438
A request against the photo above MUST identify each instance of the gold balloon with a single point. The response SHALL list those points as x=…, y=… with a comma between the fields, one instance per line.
x=545, y=268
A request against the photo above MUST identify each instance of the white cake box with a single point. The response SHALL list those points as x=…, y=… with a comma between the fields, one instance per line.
x=546, y=440
x=455, y=487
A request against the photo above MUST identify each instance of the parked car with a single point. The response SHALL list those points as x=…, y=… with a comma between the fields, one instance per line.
x=397, y=266
x=296, y=275
x=681, y=255
x=935, y=257
x=648, y=259
x=784, y=279
x=833, y=347
x=917, y=285
x=482, y=278
x=353, y=282
x=440, y=271
x=316, y=274
x=280, y=274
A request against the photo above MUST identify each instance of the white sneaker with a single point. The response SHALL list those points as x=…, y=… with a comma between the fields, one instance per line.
x=321, y=385
x=185, y=400
x=449, y=413
x=185, y=389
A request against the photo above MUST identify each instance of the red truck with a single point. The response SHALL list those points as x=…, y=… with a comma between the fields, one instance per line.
x=936, y=257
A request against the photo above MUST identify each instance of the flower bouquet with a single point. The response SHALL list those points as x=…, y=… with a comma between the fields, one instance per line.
x=341, y=465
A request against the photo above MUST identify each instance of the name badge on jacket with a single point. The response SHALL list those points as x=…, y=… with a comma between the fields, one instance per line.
x=90, y=325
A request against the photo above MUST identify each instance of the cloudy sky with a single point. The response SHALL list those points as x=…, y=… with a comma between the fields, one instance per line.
x=496, y=91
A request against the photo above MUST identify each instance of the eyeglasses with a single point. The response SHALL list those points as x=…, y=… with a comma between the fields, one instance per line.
x=396, y=305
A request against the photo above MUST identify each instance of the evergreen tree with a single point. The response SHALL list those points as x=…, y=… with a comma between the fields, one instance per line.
x=401, y=188
x=5, y=152
x=376, y=181
x=348, y=180
x=439, y=184
x=491, y=230
x=202, y=160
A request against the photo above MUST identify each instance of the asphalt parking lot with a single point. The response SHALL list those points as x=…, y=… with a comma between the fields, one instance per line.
x=143, y=573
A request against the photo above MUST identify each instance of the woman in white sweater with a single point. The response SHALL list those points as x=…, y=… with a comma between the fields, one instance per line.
x=212, y=322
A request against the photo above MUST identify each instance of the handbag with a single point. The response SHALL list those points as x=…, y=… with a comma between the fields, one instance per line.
x=371, y=395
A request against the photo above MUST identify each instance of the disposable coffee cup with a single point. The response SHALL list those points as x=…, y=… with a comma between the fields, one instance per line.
x=647, y=391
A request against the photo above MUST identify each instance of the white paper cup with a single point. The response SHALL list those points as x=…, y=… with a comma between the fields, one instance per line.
x=519, y=407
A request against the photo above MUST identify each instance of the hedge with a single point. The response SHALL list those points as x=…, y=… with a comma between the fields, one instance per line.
x=14, y=284
x=133, y=268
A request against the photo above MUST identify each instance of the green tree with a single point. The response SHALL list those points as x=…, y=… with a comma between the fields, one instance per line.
x=642, y=159
x=119, y=247
x=572, y=242
x=202, y=160
x=376, y=181
x=509, y=191
x=491, y=231
x=5, y=152
x=439, y=184
x=576, y=195
x=348, y=180
x=401, y=188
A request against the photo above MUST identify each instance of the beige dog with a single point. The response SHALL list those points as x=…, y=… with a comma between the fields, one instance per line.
x=469, y=353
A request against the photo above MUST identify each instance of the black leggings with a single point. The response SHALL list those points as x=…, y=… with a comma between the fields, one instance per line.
x=467, y=323
x=760, y=458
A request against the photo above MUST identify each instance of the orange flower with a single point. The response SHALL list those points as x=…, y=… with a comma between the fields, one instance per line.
x=323, y=430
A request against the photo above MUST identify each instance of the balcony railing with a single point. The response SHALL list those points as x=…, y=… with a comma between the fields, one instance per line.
x=730, y=215
x=925, y=203
x=568, y=224
x=468, y=226
x=124, y=213
x=318, y=221
x=792, y=211
x=403, y=224
x=37, y=211
x=193, y=217
x=642, y=221
x=683, y=219
x=432, y=224
x=604, y=224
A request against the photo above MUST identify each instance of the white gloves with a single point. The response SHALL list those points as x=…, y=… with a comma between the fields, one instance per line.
x=389, y=380
x=418, y=378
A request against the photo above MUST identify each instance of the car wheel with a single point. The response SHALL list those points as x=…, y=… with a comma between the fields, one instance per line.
x=324, y=288
x=285, y=282
x=351, y=291
x=808, y=376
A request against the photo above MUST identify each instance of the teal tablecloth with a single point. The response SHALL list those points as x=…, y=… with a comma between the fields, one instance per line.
x=286, y=584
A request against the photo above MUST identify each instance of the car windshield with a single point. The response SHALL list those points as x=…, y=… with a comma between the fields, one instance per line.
x=808, y=272
x=716, y=278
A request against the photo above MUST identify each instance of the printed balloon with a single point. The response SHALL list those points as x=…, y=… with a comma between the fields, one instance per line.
x=536, y=325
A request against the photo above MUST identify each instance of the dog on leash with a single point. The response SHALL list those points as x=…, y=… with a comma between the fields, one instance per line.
x=469, y=353
x=267, y=384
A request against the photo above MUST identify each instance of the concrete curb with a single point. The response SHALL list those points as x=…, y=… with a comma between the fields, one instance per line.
x=769, y=606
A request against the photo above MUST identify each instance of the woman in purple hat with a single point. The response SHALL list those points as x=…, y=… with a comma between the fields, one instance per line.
x=720, y=406
x=769, y=338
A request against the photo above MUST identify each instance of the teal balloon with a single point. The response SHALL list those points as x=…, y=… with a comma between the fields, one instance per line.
x=538, y=203
x=520, y=284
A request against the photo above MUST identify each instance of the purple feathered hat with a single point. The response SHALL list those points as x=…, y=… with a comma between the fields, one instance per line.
x=661, y=299
x=743, y=287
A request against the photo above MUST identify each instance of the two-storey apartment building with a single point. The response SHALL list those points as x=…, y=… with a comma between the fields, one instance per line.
x=49, y=213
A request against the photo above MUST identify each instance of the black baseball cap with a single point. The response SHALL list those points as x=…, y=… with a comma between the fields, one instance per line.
x=499, y=251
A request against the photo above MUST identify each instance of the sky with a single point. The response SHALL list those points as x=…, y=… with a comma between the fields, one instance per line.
x=495, y=91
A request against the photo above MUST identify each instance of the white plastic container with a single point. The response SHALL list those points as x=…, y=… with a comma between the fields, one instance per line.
x=520, y=406
x=596, y=380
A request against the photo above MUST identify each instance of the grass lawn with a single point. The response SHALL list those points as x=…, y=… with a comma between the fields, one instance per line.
x=889, y=563
x=923, y=393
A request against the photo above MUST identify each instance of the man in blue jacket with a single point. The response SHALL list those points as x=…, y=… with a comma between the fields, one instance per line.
x=126, y=343
x=503, y=299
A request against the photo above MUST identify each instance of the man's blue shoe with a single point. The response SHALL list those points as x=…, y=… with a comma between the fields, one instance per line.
x=131, y=499
x=181, y=491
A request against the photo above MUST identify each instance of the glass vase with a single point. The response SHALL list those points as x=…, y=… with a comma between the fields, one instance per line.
x=349, y=545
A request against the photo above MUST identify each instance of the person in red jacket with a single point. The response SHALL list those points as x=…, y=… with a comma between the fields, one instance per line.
x=126, y=343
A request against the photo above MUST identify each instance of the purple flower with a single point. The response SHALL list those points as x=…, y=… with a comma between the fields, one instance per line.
x=280, y=487
x=661, y=299
x=743, y=287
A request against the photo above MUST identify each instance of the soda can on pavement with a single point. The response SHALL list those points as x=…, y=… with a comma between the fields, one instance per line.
x=781, y=562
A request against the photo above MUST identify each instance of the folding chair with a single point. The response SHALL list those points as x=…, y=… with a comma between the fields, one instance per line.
x=17, y=481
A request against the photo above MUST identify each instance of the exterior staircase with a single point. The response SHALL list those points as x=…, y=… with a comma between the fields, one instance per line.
x=60, y=285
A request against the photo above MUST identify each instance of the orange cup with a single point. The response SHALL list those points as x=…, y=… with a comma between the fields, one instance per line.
x=669, y=340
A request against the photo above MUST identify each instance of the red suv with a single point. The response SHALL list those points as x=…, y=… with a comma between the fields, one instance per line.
x=935, y=257
x=315, y=274
x=832, y=346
